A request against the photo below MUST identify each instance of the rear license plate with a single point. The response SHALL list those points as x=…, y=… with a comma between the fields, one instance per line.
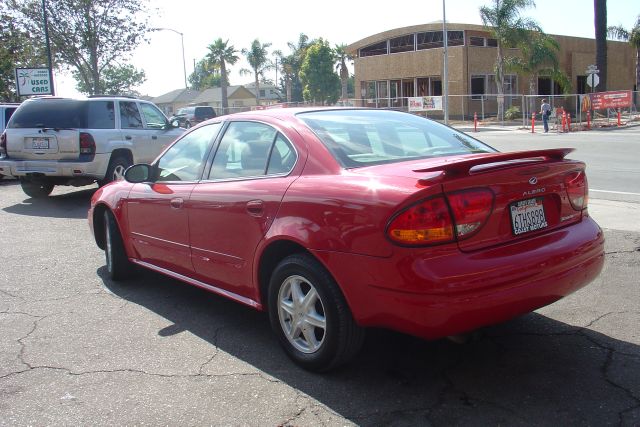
x=527, y=215
x=40, y=143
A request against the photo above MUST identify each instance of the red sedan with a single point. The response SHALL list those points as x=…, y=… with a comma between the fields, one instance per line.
x=335, y=220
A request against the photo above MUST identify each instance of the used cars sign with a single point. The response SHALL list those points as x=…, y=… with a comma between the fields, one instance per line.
x=33, y=81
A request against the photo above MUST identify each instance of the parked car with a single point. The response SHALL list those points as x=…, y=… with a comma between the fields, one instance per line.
x=191, y=116
x=6, y=110
x=61, y=141
x=334, y=220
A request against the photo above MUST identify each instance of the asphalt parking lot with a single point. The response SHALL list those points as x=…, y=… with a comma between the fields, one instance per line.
x=78, y=349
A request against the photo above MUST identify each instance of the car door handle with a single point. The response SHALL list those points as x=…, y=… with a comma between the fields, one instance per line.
x=128, y=137
x=177, y=203
x=255, y=208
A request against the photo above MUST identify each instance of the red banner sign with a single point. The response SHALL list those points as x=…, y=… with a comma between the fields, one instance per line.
x=617, y=99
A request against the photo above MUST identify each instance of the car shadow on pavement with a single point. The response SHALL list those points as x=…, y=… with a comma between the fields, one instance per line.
x=531, y=370
x=74, y=204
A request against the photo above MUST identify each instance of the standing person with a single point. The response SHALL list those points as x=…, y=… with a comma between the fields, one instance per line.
x=545, y=110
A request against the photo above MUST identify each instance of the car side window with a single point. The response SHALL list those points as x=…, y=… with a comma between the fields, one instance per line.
x=130, y=116
x=245, y=151
x=153, y=117
x=283, y=157
x=101, y=115
x=185, y=159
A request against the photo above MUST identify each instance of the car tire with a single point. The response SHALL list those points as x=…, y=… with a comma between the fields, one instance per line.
x=118, y=265
x=310, y=316
x=36, y=189
x=115, y=171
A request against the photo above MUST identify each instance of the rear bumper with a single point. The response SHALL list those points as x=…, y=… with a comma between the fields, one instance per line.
x=444, y=291
x=97, y=168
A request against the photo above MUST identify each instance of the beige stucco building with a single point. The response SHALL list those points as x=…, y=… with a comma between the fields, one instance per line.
x=408, y=62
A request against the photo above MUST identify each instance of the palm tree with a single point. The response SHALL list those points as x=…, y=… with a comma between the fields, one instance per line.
x=342, y=57
x=539, y=58
x=220, y=54
x=502, y=19
x=600, y=22
x=258, y=58
x=633, y=37
x=296, y=58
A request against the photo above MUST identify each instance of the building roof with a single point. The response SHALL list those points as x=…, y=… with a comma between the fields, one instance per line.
x=214, y=94
x=178, y=95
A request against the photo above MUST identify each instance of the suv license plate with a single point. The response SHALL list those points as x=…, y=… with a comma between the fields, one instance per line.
x=40, y=143
x=527, y=215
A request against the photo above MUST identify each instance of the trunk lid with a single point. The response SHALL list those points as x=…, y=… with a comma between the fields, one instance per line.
x=43, y=144
x=529, y=190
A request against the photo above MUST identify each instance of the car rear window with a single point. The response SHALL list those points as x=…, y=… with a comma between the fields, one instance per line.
x=205, y=113
x=360, y=138
x=64, y=113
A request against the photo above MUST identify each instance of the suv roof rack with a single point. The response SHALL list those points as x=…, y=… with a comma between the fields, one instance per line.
x=112, y=96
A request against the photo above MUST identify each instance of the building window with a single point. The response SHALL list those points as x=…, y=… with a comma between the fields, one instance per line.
x=455, y=38
x=436, y=87
x=544, y=86
x=476, y=41
x=402, y=44
x=492, y=42
x=429, y=40
x=581, y=84
x=478, y=87
x=374, y=49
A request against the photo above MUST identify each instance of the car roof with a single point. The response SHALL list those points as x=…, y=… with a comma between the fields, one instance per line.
x=284, y=113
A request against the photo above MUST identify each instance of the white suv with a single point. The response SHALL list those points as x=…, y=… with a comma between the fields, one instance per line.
x=60, y=141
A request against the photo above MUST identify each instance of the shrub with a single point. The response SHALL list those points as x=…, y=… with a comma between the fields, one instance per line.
x=512, y=113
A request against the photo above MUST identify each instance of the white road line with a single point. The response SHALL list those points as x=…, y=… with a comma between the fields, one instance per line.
x=614, y=192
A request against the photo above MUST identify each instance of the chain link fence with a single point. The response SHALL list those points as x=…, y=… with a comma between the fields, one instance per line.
x=518, y=109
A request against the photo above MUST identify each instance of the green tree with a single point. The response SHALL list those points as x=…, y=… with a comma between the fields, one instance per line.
x=258, y=58
x=600, y=23
x=538, y=58
x=321, y=83
x=503, y=20
x=89, y=36
x=294, y=61
x=116, y=80
x=633, y=37
x=342, y=57
x=205, y=76
x=18, y=49
x=220, y=54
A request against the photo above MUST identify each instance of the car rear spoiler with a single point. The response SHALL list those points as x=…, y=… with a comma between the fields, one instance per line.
x=455, y=166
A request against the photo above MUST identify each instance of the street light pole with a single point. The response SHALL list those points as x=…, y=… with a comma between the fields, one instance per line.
x=48, y=43
x=184, y=64
x=445, y=77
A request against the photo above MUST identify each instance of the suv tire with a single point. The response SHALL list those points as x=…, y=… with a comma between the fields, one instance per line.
x=115, y=171
x=36, y=190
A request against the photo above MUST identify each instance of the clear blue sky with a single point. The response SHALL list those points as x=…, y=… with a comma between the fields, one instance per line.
x=343, y=21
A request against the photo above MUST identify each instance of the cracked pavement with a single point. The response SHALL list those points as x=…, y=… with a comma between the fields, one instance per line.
x=77, y=349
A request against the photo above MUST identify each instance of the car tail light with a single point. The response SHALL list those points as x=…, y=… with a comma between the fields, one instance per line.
x=470, y=209
x=428, y=222
x=87, y=144
x=3, y=143
x=577, y=189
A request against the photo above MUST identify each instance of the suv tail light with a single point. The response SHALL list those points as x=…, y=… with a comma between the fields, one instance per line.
x=3, y=143
x=577, y=189
x=87, y=144
x=439, y=220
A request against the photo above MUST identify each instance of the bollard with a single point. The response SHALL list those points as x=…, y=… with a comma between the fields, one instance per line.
x=564, y=121
x=619, y=124
x=475, y=122
x=533, y=122
x=588, y=120
x=568, y=122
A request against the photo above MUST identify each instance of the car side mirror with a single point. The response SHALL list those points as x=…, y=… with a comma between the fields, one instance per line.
x=138, y=173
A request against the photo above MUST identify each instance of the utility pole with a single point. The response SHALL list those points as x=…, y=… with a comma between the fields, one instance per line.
x=46, y=38
x=445, y=72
